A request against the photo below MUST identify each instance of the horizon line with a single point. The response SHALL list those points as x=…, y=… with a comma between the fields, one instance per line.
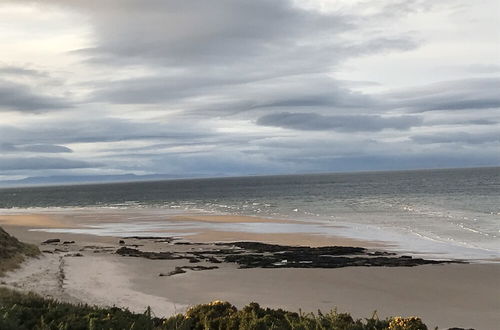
x=13, y=185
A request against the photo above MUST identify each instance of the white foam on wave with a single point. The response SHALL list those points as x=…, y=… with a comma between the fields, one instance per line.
x=407, y=240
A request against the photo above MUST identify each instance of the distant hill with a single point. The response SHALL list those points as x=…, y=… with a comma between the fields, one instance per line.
x=69, y=179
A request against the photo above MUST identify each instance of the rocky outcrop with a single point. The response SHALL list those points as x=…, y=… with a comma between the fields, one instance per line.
x=262, y=255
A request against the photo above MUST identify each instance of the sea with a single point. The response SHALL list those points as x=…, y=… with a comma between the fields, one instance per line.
x=441, y=213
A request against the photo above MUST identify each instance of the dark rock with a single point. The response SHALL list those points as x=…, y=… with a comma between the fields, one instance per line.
x=97, y=247
x=214, y=260
x=198, y=268
x=201, y=255
x=177, y=270
x=51, y=241
x=165, y=240
x=381, y=253
x=160, y=238
x=129, y=252
x=135, y=245
x=308, y=260
x=263, y=247
x=261, y=255
x=121, y=242
x=182, y=269
x=189, y=243
x=279, y=256
x=222, y=252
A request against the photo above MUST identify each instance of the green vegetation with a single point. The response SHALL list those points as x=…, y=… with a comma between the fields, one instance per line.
x=13, y=252
x=28, y=311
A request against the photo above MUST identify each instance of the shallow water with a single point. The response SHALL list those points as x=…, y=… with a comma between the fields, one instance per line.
x=439, y=212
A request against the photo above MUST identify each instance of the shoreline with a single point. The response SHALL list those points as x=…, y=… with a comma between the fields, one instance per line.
x=197, y=227
x=207, y=226
x=443, y=295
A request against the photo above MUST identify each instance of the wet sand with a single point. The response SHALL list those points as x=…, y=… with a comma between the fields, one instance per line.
x=33, y=220
x=192, y=226
x=464, y=295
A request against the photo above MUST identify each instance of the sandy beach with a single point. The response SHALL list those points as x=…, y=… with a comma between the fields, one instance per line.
x=89, y=270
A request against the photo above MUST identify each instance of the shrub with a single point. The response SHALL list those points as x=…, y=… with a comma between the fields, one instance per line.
x=28, y=311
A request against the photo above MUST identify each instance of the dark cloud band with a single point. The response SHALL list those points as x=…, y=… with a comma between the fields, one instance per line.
x=345, y=123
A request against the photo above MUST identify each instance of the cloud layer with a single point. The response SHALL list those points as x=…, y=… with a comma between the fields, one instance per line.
x=344, y=123
x=19, y=97
x=236, y=87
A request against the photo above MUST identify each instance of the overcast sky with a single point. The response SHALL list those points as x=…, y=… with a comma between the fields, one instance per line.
x=239, y=87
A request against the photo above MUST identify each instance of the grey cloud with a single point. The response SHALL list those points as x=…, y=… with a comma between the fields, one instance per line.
x=394, y=162
x=480, y=68
x=219, y=163
x=39, y=148
x=197, y=33
x=41, y=163
x=19, y=97
x=480, y=93
x=21, y=71
x=157, y=89
x=354, y=152
x=306, y=101
x=472, y=69
x=396, y=8
x=101, y=129
x=217, y=45
x=47, y=148
x=235, y=94
x=225, y=32
x=482, y=122
x=345, y=123
x=322, y=93
x=457, y=138
x=376, y=45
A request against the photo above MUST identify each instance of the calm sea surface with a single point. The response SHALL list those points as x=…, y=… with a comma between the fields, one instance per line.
x=440, y=211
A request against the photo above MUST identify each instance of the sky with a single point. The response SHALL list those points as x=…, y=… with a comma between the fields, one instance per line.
x=236, y=87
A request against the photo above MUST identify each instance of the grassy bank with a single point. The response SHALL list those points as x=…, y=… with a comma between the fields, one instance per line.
x=13, y=252
x=29, y=311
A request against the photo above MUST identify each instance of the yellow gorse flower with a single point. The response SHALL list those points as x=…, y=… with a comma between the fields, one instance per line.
x=408, y=323
x=216, y=302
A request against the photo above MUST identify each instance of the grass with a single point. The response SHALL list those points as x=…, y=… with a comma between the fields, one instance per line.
x=13, y=252
x=28, y=311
